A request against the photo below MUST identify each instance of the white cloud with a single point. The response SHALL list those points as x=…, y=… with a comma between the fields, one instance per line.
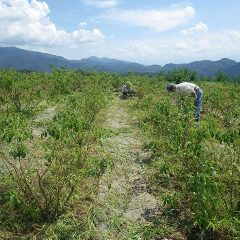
x=101, y=3
x=234, y=39
x=27, y=23
x=83, y=35
x=156, y=20
x=82, y=24
x=133, y=50
x=195, y=38
x=141, y=51
x=162, y=49
x=200, y=27
x=192, y=44
x=199, y=43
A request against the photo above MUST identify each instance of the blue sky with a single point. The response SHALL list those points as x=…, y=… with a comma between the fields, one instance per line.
x=147, y=32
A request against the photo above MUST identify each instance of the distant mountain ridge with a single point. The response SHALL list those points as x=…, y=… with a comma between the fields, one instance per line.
x=11, y=57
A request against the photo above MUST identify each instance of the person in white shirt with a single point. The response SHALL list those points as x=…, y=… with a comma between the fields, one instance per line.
x=186, y=89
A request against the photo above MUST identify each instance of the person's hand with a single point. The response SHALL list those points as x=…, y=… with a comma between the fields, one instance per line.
x=193, y=94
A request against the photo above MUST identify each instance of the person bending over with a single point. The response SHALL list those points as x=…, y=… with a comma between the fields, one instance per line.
x=186, y=89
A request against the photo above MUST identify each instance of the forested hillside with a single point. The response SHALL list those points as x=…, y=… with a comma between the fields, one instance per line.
x=20, y=59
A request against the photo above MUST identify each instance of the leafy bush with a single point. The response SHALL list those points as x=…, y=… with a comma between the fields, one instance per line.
x=42, y=173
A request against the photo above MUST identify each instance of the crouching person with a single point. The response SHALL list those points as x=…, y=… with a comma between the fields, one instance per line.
x=125, y=91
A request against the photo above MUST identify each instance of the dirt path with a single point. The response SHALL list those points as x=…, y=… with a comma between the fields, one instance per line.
x=125, y=204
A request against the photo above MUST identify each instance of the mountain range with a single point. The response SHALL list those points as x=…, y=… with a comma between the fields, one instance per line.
x=11, y=57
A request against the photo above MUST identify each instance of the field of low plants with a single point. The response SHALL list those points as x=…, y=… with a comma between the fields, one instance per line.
x=50, y=125
x=196, y=166
x=47, y=129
